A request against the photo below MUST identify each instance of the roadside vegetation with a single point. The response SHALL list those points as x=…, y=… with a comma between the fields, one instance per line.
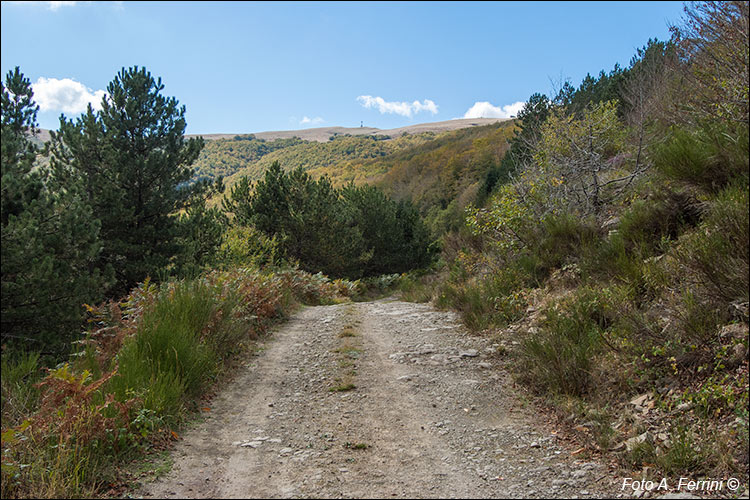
x=145, y=363
x=613, y=262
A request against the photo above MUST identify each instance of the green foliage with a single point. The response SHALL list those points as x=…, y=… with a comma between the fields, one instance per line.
x=717, y=253
x=134, y=163
x=49, y=234
x=202, y=233
x=415, y=287
x=350, y=232
x=442, y=221
x=310, y=221
x=166, y=357
x=605, y=87
x=532, y=118
x=226, y=157
x=245, y=246
x=707, y=157
x=713, y=39
x=666, y=215
x=563, y=239
x=560, y=356
x=393, y=234
x=584, y=155
x=492, y=300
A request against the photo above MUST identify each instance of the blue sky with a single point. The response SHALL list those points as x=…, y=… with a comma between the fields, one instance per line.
x=241, y=67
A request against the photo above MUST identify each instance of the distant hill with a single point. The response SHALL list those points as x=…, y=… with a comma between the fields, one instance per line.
x=322, y=134
x=316, y=149
x=441, y=172
x=227, y=155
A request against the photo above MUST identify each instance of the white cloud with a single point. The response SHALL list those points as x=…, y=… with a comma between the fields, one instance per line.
x=311, y=121
x=66, y=95
x=398, y=108
x=57, y=5
x=483, y=109
x=53, y=5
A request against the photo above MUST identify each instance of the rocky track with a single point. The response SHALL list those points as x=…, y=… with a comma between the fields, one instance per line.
x=376, y=400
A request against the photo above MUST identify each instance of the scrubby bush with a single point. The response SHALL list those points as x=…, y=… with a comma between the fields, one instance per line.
x=708, y=157
x=563, y=239
x=717, y=253
x=646, y=223
x=559, y=357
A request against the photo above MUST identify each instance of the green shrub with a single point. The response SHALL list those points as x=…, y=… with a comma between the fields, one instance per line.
x=648, y=223
x=19, y=394
x=563, y=239
x=717, y=253
x=493, y=300
x=559, y=358
x=244, y=246
x=708, y=158
x=698, y=320
x=417, y=288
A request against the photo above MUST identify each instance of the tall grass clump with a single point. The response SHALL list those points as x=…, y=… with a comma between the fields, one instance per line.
x=717, y=253
x=559, y=357
x=19, y=394
x=165, y=360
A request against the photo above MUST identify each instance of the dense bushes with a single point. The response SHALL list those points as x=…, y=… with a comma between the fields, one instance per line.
x=717, y=253
x=142, y=366
x=708, y=157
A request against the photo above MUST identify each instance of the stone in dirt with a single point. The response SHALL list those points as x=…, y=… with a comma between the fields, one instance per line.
x=469, y=353
x=640, y=400
x=642, y=438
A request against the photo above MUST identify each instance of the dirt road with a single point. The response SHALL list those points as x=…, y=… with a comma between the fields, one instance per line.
x=375, y=400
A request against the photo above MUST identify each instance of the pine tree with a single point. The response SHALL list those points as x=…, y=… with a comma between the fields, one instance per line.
x=136, y=166
x=49, y=237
